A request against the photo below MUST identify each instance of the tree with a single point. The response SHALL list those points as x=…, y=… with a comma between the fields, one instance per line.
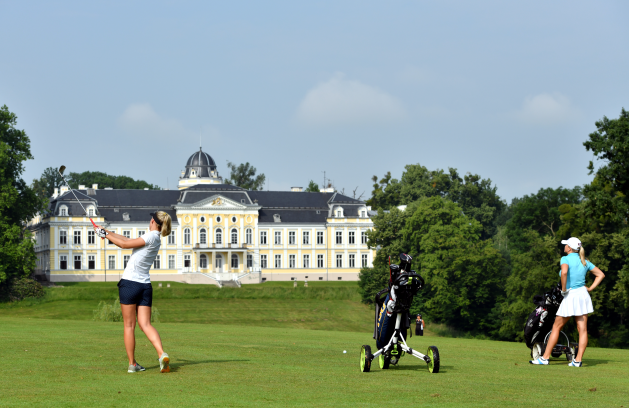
x=18, y=202
x=312, y=187
x=45, y=185
x=88, y=178
x=244, y=175
x=463, y=273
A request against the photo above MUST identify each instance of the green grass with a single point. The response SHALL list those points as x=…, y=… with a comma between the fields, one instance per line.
x=82, y=363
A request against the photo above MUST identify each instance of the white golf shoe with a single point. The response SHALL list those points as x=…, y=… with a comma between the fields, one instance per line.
x=164, y=363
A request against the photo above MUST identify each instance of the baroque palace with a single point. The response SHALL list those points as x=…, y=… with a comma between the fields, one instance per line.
x=220, y=233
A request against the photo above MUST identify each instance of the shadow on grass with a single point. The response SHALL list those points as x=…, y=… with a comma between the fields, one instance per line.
x=174, y=367
x=421, y=367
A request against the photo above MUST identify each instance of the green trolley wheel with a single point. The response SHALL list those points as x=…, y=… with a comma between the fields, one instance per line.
x=365, y=359
x=433, y=353
x=384, y=361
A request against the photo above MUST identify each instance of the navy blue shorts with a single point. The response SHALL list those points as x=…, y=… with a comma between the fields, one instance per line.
x=135, y=293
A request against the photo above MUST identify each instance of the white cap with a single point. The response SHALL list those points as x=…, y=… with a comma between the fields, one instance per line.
x=572, y=242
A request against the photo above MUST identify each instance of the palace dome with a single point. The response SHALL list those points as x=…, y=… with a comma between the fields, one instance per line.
x=201, y=164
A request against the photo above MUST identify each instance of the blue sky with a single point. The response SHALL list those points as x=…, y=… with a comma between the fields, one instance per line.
x=507, y=90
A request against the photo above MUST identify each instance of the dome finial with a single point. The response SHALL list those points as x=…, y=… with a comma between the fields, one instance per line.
x=200, y=144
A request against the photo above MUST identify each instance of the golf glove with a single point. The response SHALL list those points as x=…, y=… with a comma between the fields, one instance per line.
x=564, y=293
x=101, y=233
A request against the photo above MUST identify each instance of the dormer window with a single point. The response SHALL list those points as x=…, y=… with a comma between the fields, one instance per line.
x=63, y=211
x=91, y=212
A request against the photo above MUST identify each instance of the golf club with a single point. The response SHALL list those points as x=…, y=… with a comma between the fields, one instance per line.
x=61, y=170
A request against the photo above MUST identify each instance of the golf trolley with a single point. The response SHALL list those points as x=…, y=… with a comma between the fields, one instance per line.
x=540, y=323
x=392, y=320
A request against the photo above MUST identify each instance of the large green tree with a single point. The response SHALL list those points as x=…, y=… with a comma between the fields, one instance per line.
x=18, y=202
x=88, y=178
x=312, y=187
x=45, y=185
x=244, y=175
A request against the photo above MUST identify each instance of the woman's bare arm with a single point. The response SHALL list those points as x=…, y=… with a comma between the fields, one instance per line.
x=599, y=277
x=564, y=276
x=123, y=242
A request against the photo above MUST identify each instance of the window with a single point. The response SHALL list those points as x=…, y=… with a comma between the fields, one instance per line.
x=125, y=261
x=202, y=219
x=319, y=261
x=278, y=237
x=249, y=261
x=90, y=212
x=219, y=236
x=339, y=260
x=363, y=213
x=202, y=236
x=63, y=211
x=262, y=237
x=364, y=260
x=235, y=261
x=171, y=238
x=339, y=237
x=63, y=237
x=186, y=261
x=140, y=233
x=91, y=237
x=234, y=236
x=112, y=261
x=203, y=261
x=339, y=213
x=91, y=262
x=352, y=237
x=157, y=264
x=263, y=261
x=234, y=219
x=171, y=261
x=126, y=234
x=306, y=261
x=249, y=236
x=278, y=261
x=363, y=237
x=77, y=262
x=291, y=238
x=291, y=261
x=63, y=262
x=319, y=237
x=77, y=237
x=306, y=238
x=352, y=260
x=218, y=219
x=186, y=236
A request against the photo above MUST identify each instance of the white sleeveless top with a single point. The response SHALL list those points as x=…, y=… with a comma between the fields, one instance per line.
x=142, y=258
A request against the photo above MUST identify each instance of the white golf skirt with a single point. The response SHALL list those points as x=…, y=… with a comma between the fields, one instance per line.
x=576, y=303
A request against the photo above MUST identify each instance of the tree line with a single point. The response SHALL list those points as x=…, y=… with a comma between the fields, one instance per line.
x=483, y=259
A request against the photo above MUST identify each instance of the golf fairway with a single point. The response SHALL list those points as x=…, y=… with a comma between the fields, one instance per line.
x=73, y=363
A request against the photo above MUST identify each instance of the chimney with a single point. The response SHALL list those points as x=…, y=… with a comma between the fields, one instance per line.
x=95, y=186
x=64, y=189
x=81, y=187
x=297, y=189
x=56, y=193
x=146, y=188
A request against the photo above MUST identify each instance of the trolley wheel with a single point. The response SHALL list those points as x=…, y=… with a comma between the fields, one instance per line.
x=433, y=353
x=536, y=351
x=365, y=358
x=384, y=361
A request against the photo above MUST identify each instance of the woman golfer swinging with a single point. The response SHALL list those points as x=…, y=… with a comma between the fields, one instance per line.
x=135, y=290
x=576, y=298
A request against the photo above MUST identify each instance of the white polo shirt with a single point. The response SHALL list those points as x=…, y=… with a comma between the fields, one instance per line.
x=142, y=258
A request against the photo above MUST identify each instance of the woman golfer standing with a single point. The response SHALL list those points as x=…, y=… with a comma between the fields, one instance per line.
x=576, y=298
x=135, y=290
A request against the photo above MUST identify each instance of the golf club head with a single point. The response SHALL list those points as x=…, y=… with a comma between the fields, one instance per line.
x=62, y=169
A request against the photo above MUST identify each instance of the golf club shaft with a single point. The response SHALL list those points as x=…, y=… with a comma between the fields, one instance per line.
x=77, y=199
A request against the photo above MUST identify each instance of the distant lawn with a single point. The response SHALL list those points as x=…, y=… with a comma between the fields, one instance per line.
x=82, y=363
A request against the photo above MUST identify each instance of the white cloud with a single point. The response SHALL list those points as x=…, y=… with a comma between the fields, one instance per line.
x=141, y=120
x=546, y=109
x=340, y=101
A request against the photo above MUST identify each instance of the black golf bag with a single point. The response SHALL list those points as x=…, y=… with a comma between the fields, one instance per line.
x=388, y=304
x=541, y=320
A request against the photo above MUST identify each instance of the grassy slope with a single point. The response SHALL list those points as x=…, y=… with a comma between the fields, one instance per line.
x=82, y=363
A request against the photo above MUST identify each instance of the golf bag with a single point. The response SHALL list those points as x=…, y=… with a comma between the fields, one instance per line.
x=396, y=299
x=541, y=320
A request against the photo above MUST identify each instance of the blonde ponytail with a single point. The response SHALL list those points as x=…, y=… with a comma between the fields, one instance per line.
x=582, y=256
x=166, y=223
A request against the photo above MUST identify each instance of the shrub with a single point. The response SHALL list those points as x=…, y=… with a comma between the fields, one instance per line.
x=19, y=289
x=112, y=313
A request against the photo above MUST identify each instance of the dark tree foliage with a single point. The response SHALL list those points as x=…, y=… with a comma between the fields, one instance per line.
x=18, y=202
x=244, y=175
x=88, y=178
x=312, y=187
x=45, y=185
